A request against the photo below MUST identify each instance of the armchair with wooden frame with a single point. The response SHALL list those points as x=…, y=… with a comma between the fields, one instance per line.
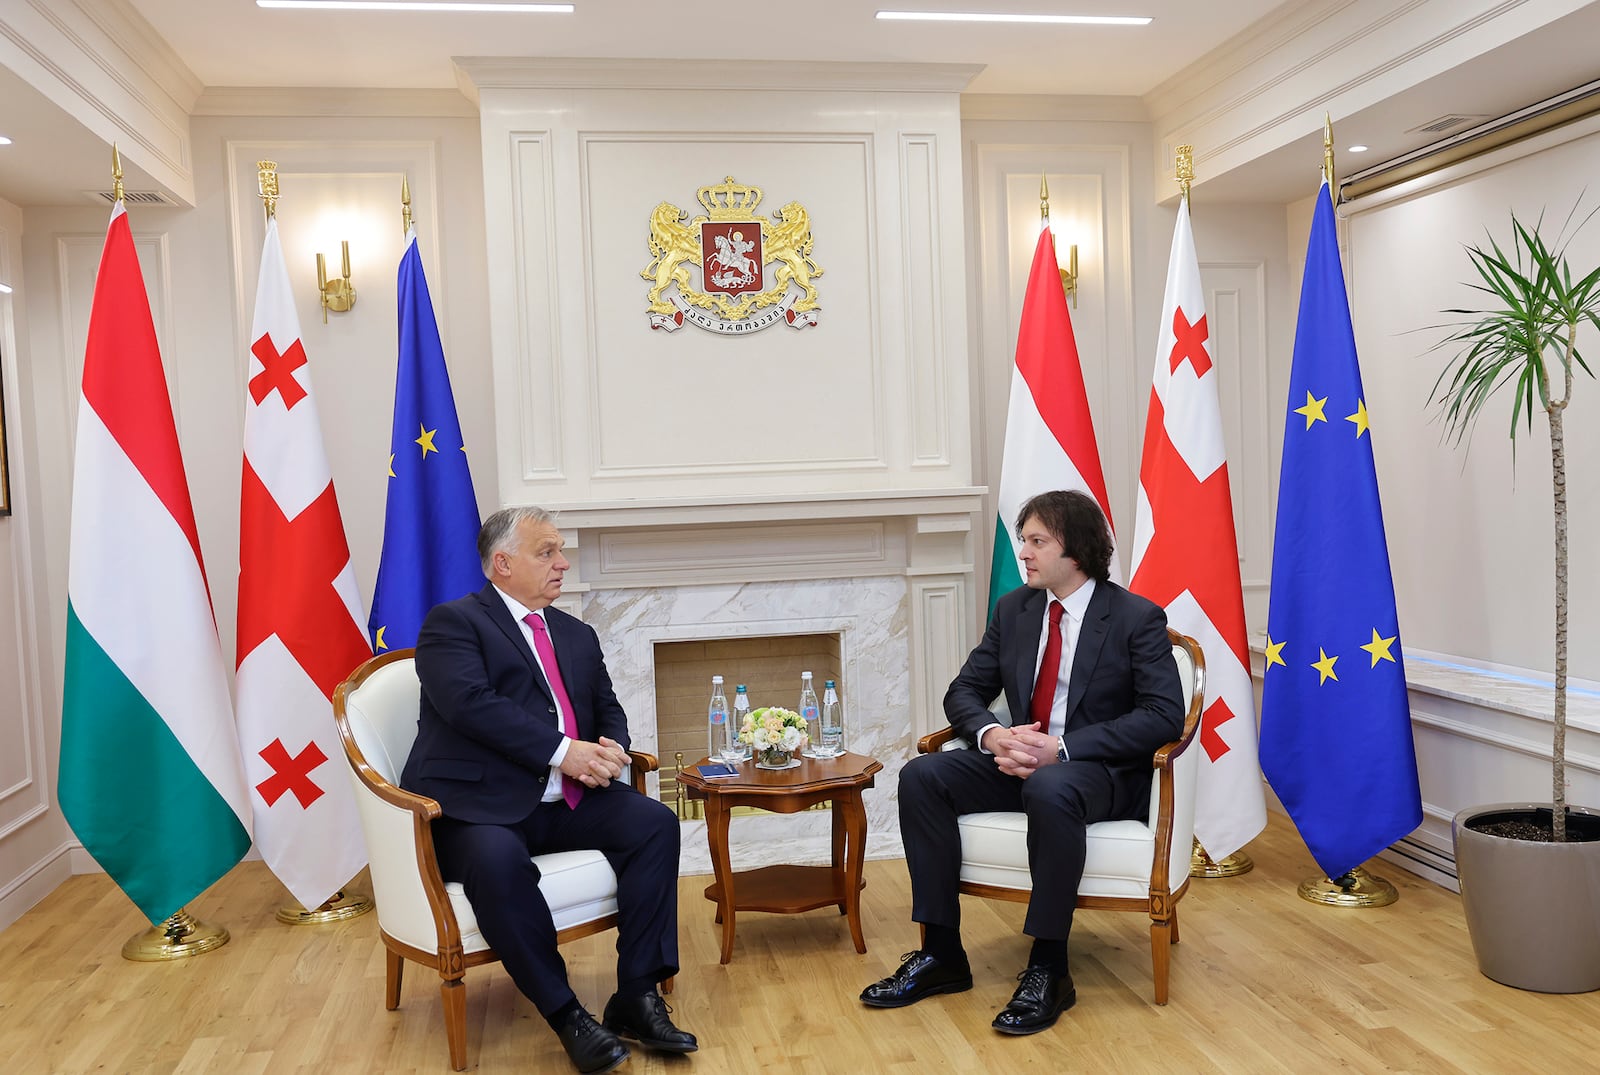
x=1131, y=865
x=420, y=917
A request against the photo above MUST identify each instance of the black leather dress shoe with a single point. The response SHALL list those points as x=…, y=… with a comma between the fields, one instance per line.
x=591, y=1047
x=920, y=975
x=643, y=1018
x=1041, y=997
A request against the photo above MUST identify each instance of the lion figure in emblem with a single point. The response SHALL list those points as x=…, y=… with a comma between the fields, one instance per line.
x=789, y=244
x=673, y=248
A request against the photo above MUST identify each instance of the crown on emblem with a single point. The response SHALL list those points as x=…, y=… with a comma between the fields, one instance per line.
x=728, y=200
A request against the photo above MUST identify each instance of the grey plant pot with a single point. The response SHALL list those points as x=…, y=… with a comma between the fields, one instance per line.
x=1533, y=909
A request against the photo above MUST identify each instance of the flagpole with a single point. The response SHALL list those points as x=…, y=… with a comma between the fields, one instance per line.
x=1201, y=864
x=405, y=206
x=339, y=906
x=1355, y=887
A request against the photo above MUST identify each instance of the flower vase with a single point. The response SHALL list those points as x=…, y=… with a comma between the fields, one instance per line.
x=774, y=758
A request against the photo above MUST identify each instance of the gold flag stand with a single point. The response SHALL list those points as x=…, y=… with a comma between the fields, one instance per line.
x=336, y=908
x=1358, y=888
x=1201, y=864
x=177, y=938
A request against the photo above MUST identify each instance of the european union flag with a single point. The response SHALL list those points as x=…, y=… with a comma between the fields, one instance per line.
x=430, y=522
x=1335, y=723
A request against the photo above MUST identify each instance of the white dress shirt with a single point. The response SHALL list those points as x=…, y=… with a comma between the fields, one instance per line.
x=552, y=789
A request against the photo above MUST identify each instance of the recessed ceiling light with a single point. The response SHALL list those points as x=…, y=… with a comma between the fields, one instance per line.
x=4, y=141
x=1358, y=149
x=5, y=289
x=982, y=16
x=421, y=5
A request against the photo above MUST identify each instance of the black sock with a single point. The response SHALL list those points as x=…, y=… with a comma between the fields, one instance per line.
x=562, y=1014
x=944, y=944
x=636, y=987
x=1051, y=955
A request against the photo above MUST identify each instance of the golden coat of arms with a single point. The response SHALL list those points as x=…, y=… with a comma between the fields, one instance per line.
x=753, y=272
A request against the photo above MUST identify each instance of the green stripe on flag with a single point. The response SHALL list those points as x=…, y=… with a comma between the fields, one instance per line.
x=1004, y=575
x=130, y=790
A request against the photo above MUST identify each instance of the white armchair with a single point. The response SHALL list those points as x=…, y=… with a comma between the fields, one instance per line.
x=420, y=917
x=1131, y=865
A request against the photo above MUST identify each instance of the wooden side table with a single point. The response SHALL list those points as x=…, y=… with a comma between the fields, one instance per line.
x=788, y=889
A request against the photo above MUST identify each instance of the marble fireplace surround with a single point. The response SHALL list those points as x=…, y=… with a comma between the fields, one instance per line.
x=891, y=574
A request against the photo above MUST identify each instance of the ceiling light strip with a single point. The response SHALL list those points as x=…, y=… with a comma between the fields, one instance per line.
x=981, y=16
x=420, y=5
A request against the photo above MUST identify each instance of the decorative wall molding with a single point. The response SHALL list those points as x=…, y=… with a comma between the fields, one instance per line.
x=342, y=102
x=477, y=73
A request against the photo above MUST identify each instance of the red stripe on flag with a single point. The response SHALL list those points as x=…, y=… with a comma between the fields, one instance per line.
x=1192, y=544
x=287, y=570
x=1047, y=358
x=124, y=382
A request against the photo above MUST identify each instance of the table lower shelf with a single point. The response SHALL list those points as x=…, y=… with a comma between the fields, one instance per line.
x=784, y=889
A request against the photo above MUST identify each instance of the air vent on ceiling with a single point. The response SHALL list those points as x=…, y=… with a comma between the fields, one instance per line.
x=1447, y=122
x=132, y=197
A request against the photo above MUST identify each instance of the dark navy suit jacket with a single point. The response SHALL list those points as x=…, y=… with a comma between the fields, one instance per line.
x=488, y=724
x=1124, y=698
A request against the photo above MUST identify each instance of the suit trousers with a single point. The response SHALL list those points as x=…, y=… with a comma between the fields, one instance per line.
x=639, y=837
x=1060, y=800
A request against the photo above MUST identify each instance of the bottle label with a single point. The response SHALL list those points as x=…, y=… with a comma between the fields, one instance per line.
x=718, y=716
x=809, y=713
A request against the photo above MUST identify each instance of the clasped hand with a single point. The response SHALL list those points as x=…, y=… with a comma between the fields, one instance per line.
x=1022, y=750
x=594, y=765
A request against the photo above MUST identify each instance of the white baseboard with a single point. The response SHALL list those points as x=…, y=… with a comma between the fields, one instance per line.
x=22, y=894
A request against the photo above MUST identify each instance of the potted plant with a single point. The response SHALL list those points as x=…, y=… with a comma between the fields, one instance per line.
x=1528, y=871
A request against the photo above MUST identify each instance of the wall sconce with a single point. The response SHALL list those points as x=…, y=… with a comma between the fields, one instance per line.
x=1069, y=275
x=337, y=294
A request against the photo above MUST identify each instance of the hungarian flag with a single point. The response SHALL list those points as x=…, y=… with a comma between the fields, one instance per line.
x=1049, y=435
x=299, y=616
x=1186, y=557
x=150, y=776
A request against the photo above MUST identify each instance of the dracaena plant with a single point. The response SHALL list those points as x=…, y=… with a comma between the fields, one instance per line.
x=1525, y=334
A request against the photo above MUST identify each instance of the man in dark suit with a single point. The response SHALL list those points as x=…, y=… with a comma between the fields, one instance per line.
x=1088, y=673
x=522, y=742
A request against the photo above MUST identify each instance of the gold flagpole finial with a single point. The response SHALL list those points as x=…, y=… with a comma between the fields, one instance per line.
x=1184, y=173
x=1327, y=151
x=1044, y=201
x=267, y=183
x=405, y=203
x=116, y=174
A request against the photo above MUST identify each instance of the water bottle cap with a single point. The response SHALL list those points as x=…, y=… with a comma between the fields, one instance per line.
x=716, y=679
x=805, y=675
x=827, y=683
x=740, y=688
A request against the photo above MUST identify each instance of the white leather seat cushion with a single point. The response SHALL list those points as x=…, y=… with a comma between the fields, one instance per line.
x=994, y=851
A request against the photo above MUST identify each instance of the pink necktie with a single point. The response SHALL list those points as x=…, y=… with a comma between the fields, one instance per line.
x=1044, y=690
x=571, y=790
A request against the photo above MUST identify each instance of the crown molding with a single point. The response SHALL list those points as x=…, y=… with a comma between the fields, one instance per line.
x=312, y=101
x=475, y=73
x=1053, y=108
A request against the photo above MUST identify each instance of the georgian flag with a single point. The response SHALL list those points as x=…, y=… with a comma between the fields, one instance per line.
x=299, y=616
x=1186, y=557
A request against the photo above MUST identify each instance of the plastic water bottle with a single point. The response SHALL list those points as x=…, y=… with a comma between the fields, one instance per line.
x=736, y=751
x=717, y=721
x=808, y=710
x=832, y=722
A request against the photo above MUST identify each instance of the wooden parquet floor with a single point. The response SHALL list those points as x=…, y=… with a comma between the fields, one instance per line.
x=1262, y=982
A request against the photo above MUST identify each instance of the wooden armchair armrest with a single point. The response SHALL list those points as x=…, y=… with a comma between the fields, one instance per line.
x=642, y=764
x=934, y=741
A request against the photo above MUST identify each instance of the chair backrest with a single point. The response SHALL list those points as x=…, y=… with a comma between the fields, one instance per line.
x=1186, y=765
x=382, y=710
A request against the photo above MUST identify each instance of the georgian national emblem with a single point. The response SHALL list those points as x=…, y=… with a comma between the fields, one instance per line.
x=753, y=272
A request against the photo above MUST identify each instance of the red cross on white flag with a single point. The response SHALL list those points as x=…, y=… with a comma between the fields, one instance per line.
x=299, y=615
x=1186, y=556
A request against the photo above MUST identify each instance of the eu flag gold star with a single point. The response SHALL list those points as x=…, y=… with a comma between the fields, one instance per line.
x=1359, y=418
x=381, y=644
x=391, y=464
x=1379, y=647
x=1325, y=666
x=1275, y=653
x=1313, y=409
x=426, y=440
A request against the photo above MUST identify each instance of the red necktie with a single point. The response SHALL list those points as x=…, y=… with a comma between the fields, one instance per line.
x=1044, y=689
x=571, y=790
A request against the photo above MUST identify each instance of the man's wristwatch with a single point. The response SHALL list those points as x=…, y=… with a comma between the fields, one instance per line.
x=1061, y=749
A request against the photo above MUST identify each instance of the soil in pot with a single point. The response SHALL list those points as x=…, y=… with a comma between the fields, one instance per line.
x=1536, y=825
